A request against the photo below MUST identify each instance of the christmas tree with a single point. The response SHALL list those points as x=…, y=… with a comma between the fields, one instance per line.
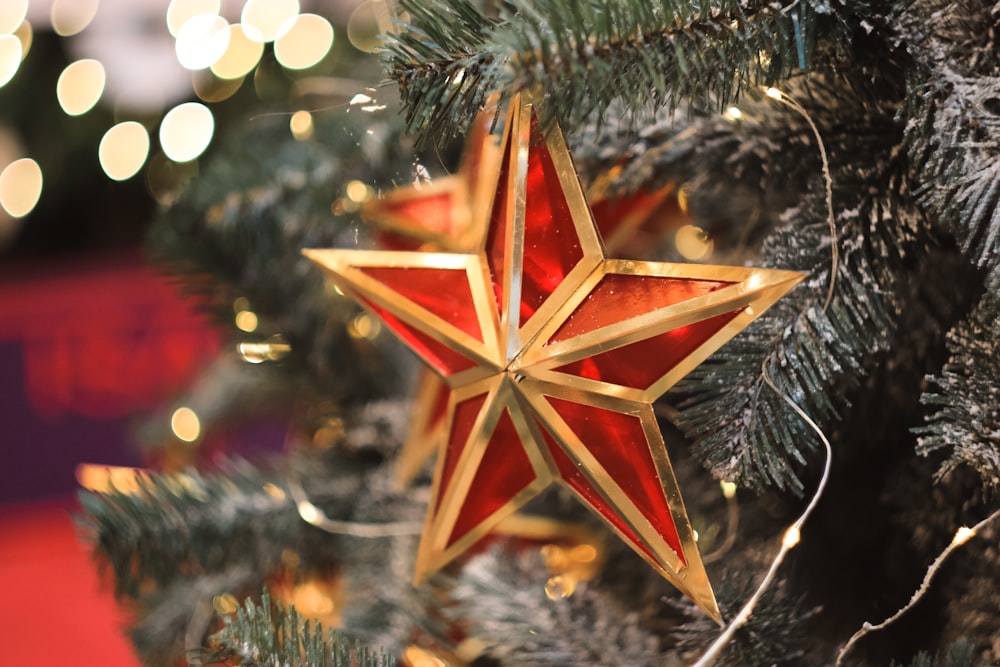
x=853, y=425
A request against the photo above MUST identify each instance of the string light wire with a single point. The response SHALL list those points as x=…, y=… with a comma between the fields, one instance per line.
x=788, y=100
x=317, y=517
x=788, y=542
x=962, y=535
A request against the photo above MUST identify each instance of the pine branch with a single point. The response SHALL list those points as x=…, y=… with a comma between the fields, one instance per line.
x=966, y=397
x=814, y=355
x=953, y=136
x=959, y=654
x=586, y=54
x=186, y=524
x=268, y=634
x=499, y=596
x=237, y=231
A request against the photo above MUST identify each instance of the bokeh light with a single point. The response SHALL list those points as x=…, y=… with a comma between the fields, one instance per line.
x=12, y=13
x=80, y=86
x=241, y=56
x=692, y=243
x=306, y=42
x=202, y=41
x=180, y=12
x=72, y=16
x=301, y=125
x=186, y=131
x=20, y=187
x=26, y=36
x=10, y=57
x=210, y=88
x=185, y=424
x=123, y=150
x=246, y=320
x=363, y=26
x=266, y=20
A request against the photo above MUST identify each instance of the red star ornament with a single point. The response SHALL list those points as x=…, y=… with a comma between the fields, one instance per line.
x=449, y=214
x=554, y=354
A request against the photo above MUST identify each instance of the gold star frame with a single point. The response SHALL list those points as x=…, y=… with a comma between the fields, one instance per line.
x=554, y=354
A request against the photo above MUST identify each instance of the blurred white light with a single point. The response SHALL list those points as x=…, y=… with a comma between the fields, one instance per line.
x=123, y=150
x=10, y=57
x=72, y=16
x=202, y=41
x=265, y=20
x=185, y=424
x=186, y=131
x=80, y=86
x=180, y=12
x=241, y=56
x=306, y=42
x=12, y=13
x=20, y=187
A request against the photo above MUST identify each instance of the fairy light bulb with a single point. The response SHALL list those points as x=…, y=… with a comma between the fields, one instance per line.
x=185, y=424
x=963, y=535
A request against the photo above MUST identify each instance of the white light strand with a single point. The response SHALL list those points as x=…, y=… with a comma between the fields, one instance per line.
x=316, y=517
x=962, y=535
x=788, y=100
x=789, y=539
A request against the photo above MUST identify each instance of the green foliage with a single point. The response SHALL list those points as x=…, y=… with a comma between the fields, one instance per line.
x=267, y=634
x=966, y=399
x=816, y=353
x=954, y=133
x=584, y=55
x=959, y=654
x=238, y=231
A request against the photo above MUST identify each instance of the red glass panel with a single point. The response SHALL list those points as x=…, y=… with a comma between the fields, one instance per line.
x=551, y=245
x=496, y=235
x=439, y=356
x=619, y=296
x=618, y=442
x=461, y=426
x=442, y=292
x=504, y=471
x=391, y=240
x=577, y=481
x=642, y=363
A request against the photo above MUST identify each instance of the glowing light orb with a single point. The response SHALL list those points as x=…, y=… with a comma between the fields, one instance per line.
x=202, y=41
x=186, y=131
x=123, y=150
x=241, y=56
x=12, y=13
x=20, y=187
x=180, y=12
x=301, y=125
x=185, y=424
x=10, y=57
x=306, y=42
x=69, y=17
x=80, y=86
x=267, y=20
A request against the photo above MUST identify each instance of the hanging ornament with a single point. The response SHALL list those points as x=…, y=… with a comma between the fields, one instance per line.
x=443, y=214
x=554, y=354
